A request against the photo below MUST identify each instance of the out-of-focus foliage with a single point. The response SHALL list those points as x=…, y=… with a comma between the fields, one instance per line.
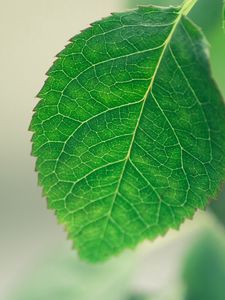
x=218, y=207
x=134, y=3
x=63, y=276
x=206, y=13
x=138, y=297
x=224, y=15
x=217, y=50
x=204, y=271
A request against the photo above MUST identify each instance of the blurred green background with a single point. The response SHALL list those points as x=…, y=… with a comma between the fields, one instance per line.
x=36, y=261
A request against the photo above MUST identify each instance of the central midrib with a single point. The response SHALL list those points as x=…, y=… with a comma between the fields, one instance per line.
x=167, y=41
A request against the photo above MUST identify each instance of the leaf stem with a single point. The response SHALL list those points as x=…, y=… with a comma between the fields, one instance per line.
x=187, y=6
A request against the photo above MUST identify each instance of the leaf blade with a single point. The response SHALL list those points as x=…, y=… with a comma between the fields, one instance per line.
x=111, y=180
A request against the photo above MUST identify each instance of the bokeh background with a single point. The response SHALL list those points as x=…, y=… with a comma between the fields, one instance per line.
x=36, y=260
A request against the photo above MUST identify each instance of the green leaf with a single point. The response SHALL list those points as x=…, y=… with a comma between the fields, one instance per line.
x=204, y=271
x=129, y=133
x=223, y=15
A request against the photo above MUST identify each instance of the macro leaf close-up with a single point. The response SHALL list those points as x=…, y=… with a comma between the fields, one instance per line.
x=113, y=150
x=129, y=130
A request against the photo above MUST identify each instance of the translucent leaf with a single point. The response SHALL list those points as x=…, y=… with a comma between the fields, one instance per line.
x=129, y=133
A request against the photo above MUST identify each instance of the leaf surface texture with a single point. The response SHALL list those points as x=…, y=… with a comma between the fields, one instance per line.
x=129, y=132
